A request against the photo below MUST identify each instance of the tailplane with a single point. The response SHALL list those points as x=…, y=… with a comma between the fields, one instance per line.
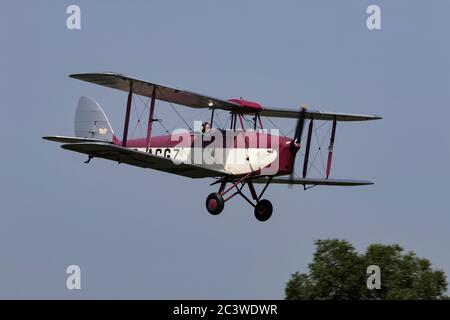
x=91, y=125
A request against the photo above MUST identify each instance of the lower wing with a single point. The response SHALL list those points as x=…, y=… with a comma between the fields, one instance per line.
x=140, y=159
x=314, y=182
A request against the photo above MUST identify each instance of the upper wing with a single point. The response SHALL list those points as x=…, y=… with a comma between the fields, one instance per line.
x=140, y=159
x=315, y=114
x=314, y=182
x=195, y=100
x=164, y=93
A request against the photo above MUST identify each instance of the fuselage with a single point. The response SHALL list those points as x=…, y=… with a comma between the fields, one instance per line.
x=235, y=152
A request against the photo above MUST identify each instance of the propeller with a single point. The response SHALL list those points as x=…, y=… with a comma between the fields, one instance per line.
x=295, y=143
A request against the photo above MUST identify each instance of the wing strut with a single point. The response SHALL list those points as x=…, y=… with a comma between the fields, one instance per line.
x=330, y=148
x=127, y=116
x=308, y=146
x=212, y=118
x=150, y=120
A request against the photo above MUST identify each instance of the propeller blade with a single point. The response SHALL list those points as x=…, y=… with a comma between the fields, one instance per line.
x=297, y=138
x=300, y=125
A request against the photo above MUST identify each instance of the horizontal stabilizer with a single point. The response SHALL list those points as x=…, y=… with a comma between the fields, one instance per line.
x=63, y=139
x=314, y=182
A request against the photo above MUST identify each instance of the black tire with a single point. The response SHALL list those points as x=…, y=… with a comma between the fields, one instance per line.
x=263, y=210
x=215, y=203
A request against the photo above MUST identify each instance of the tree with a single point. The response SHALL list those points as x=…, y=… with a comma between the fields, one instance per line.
x=339, y=272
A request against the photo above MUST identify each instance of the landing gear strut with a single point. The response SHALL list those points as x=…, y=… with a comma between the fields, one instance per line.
x=262, y=208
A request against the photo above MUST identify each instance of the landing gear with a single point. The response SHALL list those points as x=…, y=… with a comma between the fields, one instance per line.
x=215, y=203
x=263, y=210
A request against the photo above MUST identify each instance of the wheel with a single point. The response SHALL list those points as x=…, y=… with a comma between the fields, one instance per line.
x=263, y=210
x=215, y=203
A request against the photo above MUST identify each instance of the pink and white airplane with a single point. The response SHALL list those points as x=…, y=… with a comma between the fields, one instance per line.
x=237, y=156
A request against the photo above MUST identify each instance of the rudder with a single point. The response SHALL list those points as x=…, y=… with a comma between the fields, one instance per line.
x=91, y=121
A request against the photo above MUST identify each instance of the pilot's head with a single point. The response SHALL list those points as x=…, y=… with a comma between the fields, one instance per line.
x=206, y=127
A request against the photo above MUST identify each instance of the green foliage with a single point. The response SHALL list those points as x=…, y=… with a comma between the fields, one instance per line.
x=339, y=272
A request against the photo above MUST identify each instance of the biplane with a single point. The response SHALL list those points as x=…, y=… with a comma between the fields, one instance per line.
x=235, y=156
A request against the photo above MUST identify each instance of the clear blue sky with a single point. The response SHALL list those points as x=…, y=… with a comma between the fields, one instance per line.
x=143, y=234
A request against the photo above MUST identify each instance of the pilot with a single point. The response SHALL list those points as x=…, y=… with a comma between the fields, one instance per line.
x=206, y=127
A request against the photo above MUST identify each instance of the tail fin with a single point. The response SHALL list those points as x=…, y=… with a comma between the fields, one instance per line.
x=91, y=122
